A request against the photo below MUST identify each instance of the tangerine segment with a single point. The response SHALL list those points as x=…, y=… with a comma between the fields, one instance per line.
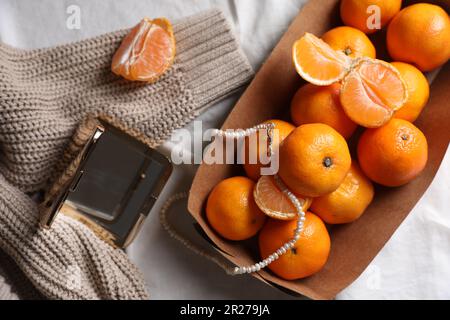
x=274, y=203
x=146, y=52
x=371, y=92
x=317, y=62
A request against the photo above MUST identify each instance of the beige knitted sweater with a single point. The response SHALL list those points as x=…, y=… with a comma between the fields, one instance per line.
x=44, y=94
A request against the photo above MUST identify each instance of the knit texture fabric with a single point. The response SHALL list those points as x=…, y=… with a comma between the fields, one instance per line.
x=14, y=285
x=45, y=93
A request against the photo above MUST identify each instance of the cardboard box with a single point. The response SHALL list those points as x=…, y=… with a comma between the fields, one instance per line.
x=353, y=246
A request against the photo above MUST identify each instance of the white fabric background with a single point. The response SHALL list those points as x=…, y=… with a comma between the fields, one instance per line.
x=415, y=263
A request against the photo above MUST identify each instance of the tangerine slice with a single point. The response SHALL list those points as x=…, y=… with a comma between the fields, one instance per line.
x=273, y=202
x=371, y=92
x=317, y=62
x=146, y=52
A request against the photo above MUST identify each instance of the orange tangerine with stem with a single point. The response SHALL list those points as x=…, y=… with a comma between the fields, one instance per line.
x=351, y=41
x=321, y=104
x=357, y=13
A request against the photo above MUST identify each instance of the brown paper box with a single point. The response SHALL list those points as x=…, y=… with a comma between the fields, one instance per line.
x=353, y=246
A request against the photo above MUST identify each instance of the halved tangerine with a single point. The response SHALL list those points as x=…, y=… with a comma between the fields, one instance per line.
x=273, y=202
x=372, y=90
x=146, y=52
x=317, y=62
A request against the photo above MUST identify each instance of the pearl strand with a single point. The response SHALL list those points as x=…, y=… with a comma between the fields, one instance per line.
x=289, y=244
x=179, y=196
x=242, y=133
x=238, y=134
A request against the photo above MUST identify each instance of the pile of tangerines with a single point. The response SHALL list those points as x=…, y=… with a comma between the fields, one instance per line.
x=348, y=87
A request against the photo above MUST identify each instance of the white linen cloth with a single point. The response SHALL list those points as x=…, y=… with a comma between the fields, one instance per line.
x=414, y=264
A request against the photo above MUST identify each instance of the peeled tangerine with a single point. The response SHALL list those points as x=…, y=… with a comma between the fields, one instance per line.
x=371, y=90
x=146, y=52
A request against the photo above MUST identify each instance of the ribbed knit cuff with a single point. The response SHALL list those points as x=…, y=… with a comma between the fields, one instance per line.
x=46, y=93
x=210, y=57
